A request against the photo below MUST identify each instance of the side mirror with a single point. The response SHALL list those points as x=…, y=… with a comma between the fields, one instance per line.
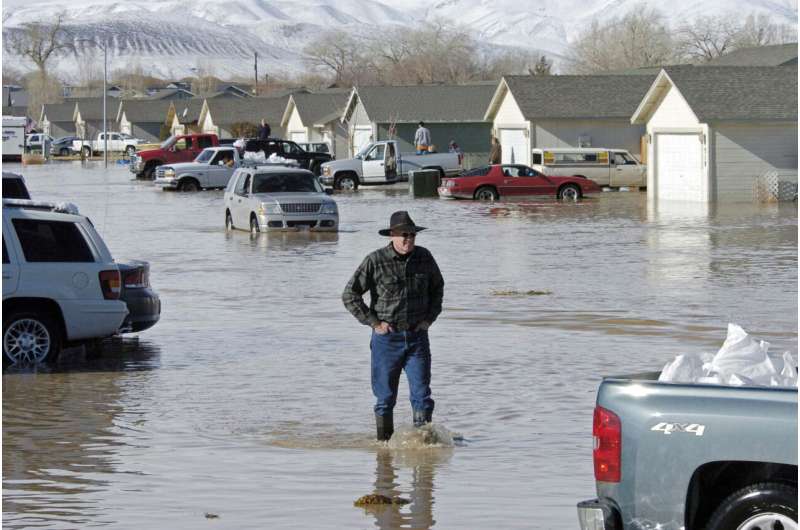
x=328, y=191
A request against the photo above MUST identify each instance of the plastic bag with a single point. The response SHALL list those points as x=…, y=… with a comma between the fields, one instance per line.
x=741, y=361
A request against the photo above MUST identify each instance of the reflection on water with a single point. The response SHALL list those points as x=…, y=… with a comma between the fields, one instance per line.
x=251, y=397
x=391, y=468
x=60, y=436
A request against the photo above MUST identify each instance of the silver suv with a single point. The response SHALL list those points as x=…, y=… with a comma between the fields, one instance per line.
x=278, y=198
x=60, y=283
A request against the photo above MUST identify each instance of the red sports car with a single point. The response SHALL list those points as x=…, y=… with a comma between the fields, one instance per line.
x=489, y=183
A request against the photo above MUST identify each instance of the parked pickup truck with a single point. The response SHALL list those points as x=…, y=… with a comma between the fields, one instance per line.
x=382, y=163
x=175, y=149
x=692, y=456
x=117, y=142
x=211, y=169
x=289, y=150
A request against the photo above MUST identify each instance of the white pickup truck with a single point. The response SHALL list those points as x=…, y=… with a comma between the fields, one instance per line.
x=117, y=142
x=383, y=163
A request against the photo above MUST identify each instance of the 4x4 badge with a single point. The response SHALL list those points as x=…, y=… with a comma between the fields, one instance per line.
x=669, y=428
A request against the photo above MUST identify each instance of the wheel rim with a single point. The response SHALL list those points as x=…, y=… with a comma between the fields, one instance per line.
x=486, y=195
x=347, y=184
x=570, y=194
x=768, y=521
x=26, y=340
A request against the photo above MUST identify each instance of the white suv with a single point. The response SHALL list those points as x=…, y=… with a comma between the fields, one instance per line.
x=60, y=283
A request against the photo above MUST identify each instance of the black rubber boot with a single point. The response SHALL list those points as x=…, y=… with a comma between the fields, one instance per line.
x=421, y=417
x=384, y=426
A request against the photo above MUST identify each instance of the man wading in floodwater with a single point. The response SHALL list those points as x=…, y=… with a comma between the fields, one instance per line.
x=406, y=289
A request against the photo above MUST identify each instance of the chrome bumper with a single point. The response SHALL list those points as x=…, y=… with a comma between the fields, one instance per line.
x=166, y=182
x=599, y=514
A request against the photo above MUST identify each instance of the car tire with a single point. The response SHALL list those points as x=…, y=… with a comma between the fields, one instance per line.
x=87, y=151
x=570, y=192
x=149, y=172
x=228, y=221
x=130, y=151
x=766, y=505
x=188, y=185
x=346, y=182
x=64, y=151
x=254, y=228
x=30, y=337
x=486, y=193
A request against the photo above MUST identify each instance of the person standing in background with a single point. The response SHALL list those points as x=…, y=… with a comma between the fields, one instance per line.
x=422, y=139
x=496, y=152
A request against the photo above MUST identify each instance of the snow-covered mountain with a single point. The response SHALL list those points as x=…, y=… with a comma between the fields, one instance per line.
x=174, y=38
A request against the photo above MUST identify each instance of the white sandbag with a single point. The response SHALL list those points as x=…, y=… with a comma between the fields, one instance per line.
x=741, y=361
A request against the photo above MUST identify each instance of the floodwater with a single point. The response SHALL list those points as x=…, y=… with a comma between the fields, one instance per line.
x=249, y=404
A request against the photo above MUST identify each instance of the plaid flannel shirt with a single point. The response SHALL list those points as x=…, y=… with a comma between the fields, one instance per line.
x=403, y=292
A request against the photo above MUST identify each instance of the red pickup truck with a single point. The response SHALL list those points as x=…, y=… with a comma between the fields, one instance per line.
x=176, y=148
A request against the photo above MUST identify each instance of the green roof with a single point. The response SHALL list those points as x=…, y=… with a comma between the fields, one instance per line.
x=578, y=96
x=227, y=111
x=316, y=108
x=738, y=92
x=777, y=55
x=145, y=111
x=428, y=103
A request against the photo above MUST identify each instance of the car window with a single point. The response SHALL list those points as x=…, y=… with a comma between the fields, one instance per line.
x=14, y=188
x=181, y=145
x=115, y=137
x=376, y=153
x=244, y=184
x=5, y=252
x=477, y=172
x=510, y=171
x=283, y=183
x=204, y=141
x=51, y=241
x=537, y=158
x=621, y=159
x=290, y=148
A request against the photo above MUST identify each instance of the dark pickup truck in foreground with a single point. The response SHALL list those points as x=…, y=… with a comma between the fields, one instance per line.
x=672, y=456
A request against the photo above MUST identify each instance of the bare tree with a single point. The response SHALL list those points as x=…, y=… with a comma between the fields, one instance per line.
x=759, y=30
x=542, y=67
x=336, y=52
x=40, y=42
x=707, y=37
x=639, y=39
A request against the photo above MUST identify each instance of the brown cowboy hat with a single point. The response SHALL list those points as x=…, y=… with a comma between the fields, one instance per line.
x=401, y=222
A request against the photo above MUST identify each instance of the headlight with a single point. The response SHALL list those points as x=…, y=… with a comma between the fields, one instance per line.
x=169, y=172
x=329, y=208
x=269, y=208
x=326, y=171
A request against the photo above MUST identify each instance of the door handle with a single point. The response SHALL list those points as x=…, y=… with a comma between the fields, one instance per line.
x=381, y=164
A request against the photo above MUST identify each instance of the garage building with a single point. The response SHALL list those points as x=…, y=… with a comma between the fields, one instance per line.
x=712, y=131
x=566, y=111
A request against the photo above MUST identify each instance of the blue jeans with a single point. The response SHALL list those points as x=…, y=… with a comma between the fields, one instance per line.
x=392, y=353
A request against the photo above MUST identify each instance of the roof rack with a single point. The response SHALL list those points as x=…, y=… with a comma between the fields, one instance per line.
x=61, y=207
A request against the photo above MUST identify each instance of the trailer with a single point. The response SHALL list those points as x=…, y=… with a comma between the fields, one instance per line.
x=13, y=137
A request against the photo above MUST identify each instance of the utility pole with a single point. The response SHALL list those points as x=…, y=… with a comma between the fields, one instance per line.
x=105, y=95
x=255, y=65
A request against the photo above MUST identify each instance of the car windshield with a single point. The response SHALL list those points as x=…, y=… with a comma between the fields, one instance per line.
x=285, y=182
x=363, y=150
x=205, y=155
x=168, y=142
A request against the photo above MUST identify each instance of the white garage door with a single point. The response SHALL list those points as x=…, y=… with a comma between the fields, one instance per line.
x=679, y=167
x=299, y=137
x=361, y=136
x=514, y=146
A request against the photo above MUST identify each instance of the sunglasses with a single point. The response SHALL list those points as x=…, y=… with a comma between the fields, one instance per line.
x=405, y=235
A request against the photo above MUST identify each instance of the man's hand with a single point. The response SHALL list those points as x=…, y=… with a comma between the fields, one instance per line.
x=383, y=328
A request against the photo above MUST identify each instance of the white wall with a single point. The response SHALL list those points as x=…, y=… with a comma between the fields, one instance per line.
x=743, y=151
x=295, y=125
x=509, y=116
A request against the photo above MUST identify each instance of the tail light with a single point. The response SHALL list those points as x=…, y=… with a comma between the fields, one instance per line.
x=136, y=278
x=607, y=434
x=110, y=284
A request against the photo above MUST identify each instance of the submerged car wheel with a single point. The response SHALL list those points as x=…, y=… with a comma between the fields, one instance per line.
x=254, y=228
x=87, y=151
x=486, y=193
x=29, y=338
x=570, y=192
x=347, y=183
x=765, y=506
x=64, y=151
x=188, y=185
x=228, y=221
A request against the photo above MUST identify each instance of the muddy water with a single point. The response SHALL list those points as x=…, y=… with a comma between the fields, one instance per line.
x=249, y=404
